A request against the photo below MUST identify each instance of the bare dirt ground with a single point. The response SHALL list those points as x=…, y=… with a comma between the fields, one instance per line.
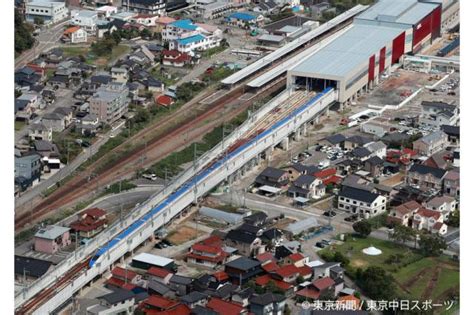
x=184, y=234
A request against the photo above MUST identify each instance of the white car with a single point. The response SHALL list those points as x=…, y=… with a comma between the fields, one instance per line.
x=150, y=176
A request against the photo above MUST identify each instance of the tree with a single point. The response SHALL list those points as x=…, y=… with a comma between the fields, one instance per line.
x=454, y=217
x=145, y=33
x=299, y=279
x=377, y=283
x=38, y=20
x=363, y=228
x=402, y=233
x=23, y=38
x=339, y=257
x=432, y=245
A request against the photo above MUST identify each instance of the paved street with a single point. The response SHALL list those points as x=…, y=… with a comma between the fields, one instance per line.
x=35, y=191
x=47, y=39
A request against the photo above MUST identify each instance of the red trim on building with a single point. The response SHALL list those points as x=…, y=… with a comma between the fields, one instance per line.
x=398, y=47
x=436, y=23
x=371, y=68
x=382, y=60
x=421, y=31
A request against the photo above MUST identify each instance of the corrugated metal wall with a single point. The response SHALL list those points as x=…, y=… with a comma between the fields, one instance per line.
x=398, y=47
x=436, y=24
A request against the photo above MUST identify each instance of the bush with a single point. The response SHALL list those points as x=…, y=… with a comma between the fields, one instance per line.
x=363, y=228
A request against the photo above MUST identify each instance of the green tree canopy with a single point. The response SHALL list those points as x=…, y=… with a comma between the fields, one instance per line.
x=363, y=228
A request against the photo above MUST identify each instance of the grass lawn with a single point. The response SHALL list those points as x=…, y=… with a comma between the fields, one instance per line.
x=413, y=273
x=73, y=51
x=19, y=125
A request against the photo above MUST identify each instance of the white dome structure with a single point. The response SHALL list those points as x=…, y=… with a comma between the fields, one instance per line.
x=372, y=251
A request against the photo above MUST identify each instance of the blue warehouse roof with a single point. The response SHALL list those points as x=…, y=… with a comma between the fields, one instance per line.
x=191, y=39
x=185, y=24
x=242, y=16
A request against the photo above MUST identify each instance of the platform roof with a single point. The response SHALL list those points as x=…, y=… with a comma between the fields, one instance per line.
x=277, y=54
x=347, y=53
x=269, y=189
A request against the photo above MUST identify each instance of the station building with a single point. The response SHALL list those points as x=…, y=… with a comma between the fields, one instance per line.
x=353, y=62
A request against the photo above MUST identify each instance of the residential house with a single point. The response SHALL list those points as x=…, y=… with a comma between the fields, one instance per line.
x=438, y=160
x=46, y=149
x=286, y=249
x=288, y=289
x=246, y=239
x=120, y=301
x=245, y=19
x=119, y=74
x=256, y=219
x=105, y=11
x=379, y=129
x=361, y=153
x=296, y=170
x=451, y=183
x=429, y=220
x=319, y=288
x=208, y=253
x=175, y=58
x=272, y=177
x=432, y=143
x=51, y=239
x=453, y=133
x=86, y=20
x=374, y=165
x=328, y=176
x=242, y=270
x=307, y=186
x=89, y=223
x=88, y=125
x=188, y=37
x=403, y=214
x=121, y=277
x=214, y=9
x=48, y=12
x=266, y=7
x=336, y=140
x=290, y=273
x=59, y=119
x=74, y=35
x=362, y=202
x=28, y=268
x=356, y=141
x=160, y=275
x=438, y=114
x=27, y=169
x=156, y=304
x=444, y=204
x=267, y=304
x=27, y=77
x=155, y=287
x=296, y=259
x=194, y=298
x=38, y=131
x=349, y=302
x=110, y=102
x=332, y=270
x=377, y=148
x=425, y=177
x=223, y=307
x=180, y=284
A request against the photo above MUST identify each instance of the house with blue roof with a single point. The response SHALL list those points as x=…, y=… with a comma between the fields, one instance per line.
x=187, y=37
x=242, y=19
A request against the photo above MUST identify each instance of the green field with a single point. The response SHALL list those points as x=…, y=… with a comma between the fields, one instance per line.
x=417, y=277
x=74, y=51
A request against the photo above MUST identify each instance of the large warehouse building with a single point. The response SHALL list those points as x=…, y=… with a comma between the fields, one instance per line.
x=377, y=39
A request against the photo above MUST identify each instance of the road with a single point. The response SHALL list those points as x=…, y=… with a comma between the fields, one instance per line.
x=47, y=39
x=35, y=191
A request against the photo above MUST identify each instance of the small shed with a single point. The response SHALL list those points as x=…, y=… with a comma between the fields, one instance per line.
x=231, y=218
x=269, y=190
x=301, y=226
x=146, y=261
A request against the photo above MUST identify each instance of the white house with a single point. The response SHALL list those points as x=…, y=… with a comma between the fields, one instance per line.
x=443, y=204
x=86, y=19
x=75, y=35
x=377, y=148
x=49, y=12
x=107, y=11
x=307, y=186
x=119, y=74
x=362, y=202
x=186, y=37
x=430, y=220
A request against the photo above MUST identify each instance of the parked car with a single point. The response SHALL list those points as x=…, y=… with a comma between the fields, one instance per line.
x=351, y=218
x=330, y=213
x=320, y=245
x=150, y=176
